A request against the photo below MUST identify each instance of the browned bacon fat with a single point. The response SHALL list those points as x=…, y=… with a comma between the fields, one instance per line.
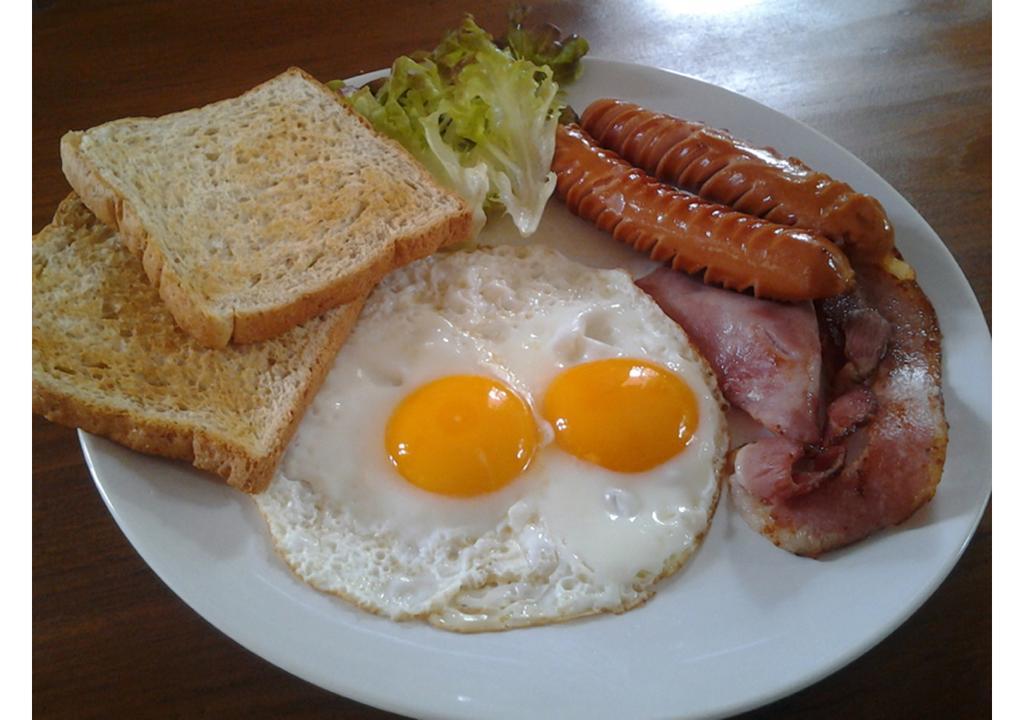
x=750, y=179
x=734, y=250
x=886, y=427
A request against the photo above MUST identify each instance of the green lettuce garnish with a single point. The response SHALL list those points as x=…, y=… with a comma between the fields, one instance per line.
x=544, y=45
x=480, y=118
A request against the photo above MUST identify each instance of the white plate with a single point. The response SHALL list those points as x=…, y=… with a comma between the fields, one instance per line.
x=742, y=625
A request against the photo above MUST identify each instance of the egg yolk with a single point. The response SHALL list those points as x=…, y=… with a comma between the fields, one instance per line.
x=623, y=414
x=461, y=435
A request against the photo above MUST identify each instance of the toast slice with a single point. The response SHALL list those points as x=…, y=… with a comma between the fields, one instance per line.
x=254, y=214
x=107, y=357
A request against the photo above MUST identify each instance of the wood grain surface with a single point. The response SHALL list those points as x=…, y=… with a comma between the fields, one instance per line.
x=906, y=86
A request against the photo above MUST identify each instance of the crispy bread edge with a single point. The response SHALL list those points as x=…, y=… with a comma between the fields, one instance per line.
x=449, y=231
x=261, y=325
x=216, y=331
x=257, y=478
x=236, y=464
x=102, y=199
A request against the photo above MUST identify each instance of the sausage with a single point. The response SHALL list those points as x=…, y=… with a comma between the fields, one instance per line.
x=759, y=181
x=734, y=250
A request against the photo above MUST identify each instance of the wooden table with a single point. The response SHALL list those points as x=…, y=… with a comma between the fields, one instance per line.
x=906, y=86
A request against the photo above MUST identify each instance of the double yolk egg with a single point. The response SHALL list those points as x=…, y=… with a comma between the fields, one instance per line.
x=466, y=435
x=507, y=438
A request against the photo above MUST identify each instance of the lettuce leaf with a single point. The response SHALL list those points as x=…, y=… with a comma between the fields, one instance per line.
x=544, y=45
x=481, y=119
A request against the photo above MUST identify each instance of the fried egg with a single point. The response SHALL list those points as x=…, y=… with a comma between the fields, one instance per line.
x=508, y=438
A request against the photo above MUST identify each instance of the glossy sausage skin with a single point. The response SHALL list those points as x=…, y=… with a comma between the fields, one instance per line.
x=734, y=250
x=754, y=180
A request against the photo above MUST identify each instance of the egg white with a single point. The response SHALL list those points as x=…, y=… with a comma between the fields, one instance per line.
x=565, y=539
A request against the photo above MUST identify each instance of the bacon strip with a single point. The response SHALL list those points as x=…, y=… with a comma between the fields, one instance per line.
x=777, y=468
x=893, y=462
x=766, y=355
x=848, y=412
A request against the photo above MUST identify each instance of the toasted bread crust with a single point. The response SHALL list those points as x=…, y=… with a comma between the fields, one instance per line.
x=233, y=461
x=253, y=327
x=118, y=213
x=241, y=326
x=154, y=437
x=116, y=411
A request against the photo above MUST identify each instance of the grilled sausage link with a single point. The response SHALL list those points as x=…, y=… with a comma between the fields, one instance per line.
x=734, y=250
x=754, y=180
